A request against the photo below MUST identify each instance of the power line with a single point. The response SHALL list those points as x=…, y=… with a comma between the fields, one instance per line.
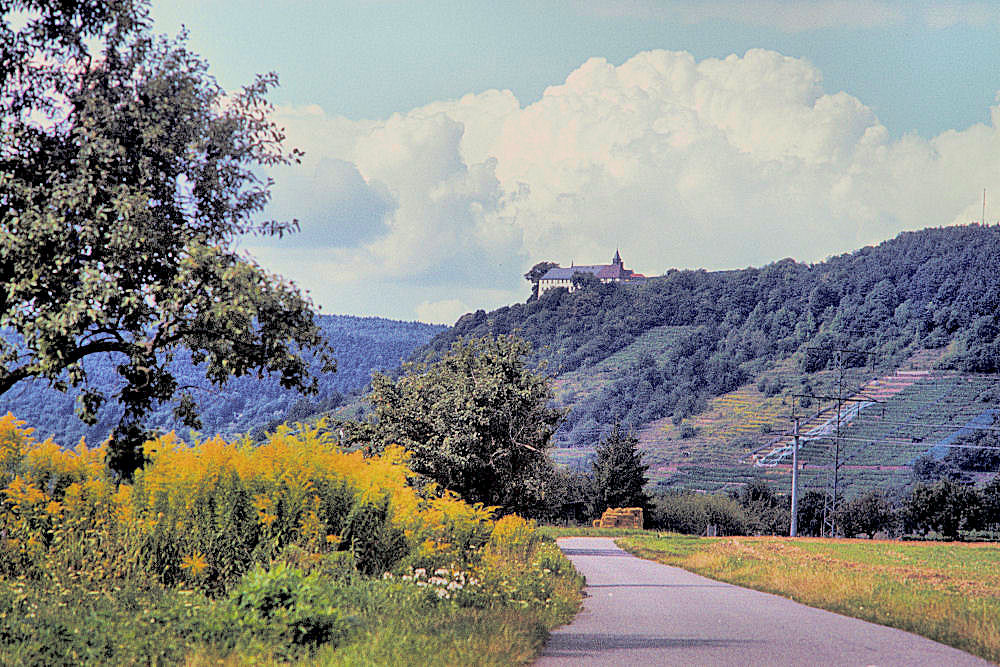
x=902, y=442
x=956, y=426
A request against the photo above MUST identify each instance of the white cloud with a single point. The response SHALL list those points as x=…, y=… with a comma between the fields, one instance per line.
x=446, y=311
x=341, y=208
x=718, y=163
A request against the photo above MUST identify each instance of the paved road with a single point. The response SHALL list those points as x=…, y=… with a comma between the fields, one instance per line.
x=643, y=613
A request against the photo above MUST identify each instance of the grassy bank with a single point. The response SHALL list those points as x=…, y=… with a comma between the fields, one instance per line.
x=947, y=592
x=588, y=531
x=292, y=551
x=278, y=614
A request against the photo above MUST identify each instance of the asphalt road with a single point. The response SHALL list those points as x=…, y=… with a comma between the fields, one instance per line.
x=643, y=613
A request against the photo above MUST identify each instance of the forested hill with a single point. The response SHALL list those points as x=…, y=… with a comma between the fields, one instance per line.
x=360, y=345
x=711, y=332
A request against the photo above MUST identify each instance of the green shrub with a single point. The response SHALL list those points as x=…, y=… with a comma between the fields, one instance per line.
x=375, y=544
x=283, y=603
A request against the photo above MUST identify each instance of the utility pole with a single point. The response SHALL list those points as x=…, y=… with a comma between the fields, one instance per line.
x=836, y=457
x=794, y=531
x=830, y=505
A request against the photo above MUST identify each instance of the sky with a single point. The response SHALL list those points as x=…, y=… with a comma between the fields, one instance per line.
x=450, y=146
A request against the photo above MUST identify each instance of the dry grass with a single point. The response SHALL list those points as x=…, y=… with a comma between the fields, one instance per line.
x=947, y=592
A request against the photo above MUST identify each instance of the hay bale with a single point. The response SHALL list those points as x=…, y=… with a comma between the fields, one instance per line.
x=620, y=517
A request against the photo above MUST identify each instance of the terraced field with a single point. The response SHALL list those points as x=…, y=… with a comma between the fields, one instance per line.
x=924, y=418
x=871, y=398
x=890, y=420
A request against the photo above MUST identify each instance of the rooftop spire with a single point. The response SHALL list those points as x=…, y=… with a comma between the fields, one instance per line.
x=617, y=259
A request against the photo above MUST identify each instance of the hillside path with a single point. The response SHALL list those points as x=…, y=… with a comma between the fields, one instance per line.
x=643, y=613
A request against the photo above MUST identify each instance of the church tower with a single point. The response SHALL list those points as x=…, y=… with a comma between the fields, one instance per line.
x=617, y=261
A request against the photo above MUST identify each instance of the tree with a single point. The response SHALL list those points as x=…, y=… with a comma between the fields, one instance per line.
x=127, y=178
x=692, y=513
x=534, y=275
x=812, y=506
x=584, y=280
x=990, y=495
x=568, y=497
x=767, y=513
x=619, y=473
x=477, y=420
x=870, y=513
x=945, y=506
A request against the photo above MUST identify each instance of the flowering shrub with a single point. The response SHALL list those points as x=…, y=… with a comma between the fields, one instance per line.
x=514, y=568
x=225, y=552
x=208, y=513
x=513, y=538
x=460, y=587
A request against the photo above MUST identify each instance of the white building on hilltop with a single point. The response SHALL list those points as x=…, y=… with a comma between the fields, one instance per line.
x=615, y=272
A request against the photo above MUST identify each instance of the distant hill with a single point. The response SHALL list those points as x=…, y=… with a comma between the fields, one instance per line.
x=360, y=344
x=681, y=356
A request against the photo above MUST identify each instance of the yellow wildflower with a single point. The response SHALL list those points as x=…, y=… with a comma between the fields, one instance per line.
x=195, y=564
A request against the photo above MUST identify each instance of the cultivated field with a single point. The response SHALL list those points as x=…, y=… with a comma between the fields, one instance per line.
x=906, y=412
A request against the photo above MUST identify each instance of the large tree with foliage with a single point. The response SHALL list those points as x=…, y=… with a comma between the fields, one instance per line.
x=946, y=506
x=535, y=274
x=127, y=178
x=870, y=513
x=619, y=473
x=477, y=420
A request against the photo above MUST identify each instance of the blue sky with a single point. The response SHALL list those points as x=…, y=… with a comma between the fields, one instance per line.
x=448, y=151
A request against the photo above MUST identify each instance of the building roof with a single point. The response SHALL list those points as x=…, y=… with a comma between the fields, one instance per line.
x=614, y=271
x=564, y=273
x=599, y=271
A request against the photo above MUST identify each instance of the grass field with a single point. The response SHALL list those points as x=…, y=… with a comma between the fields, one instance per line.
x=948, y=592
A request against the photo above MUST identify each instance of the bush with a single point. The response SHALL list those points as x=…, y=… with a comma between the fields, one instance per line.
x=692, y=513
x=375, y=544
x=206, y=514
x=283, y=603
x=513, y=539
x=229, y=552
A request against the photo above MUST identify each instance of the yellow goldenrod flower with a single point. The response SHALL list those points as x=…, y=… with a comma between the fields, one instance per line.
x=195, y=564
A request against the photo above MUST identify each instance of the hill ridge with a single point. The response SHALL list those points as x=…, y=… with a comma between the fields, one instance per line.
x=702, y=363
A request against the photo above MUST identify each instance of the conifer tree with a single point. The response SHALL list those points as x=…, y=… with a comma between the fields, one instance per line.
x=619, y=473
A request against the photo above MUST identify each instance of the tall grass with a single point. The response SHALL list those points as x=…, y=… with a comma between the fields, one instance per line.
x=947, y=592
x=291, y=551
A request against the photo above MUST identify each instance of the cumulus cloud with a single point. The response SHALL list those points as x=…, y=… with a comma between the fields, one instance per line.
x=341, y=208
x=718, y=163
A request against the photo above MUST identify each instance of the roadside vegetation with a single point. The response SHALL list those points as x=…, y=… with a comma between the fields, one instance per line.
x=946, y=592
x=294, y=550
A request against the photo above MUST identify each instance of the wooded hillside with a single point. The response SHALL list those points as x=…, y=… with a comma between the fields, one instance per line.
x=709, y=333
x=360, y=345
